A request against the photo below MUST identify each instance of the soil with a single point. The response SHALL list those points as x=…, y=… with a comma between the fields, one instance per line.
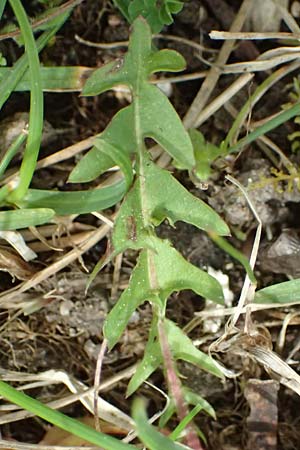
x=62, y=326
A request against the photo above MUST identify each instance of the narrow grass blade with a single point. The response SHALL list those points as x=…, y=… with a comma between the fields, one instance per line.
x=11, y=152
x=23, y=218
x=36, y=114
x=282, y=117
x=286, y=292
x=54, y=79
x=228, y=248
x=182, y=425
x=60, y=420
x=11, y=77
x=78, y=202
x=147, y=433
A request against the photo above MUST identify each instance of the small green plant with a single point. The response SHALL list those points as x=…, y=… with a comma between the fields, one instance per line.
x=153, y=195
x=148, y=194
x=157, y=12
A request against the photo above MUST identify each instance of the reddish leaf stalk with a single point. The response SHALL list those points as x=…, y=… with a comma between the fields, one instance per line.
x=176, y=389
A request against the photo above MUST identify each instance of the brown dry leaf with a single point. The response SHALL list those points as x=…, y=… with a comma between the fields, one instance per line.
x=257, y=346
x=13, y=264
x=57, y=436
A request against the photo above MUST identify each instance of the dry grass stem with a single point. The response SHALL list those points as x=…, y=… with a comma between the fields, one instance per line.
x=97, y=382
x=167, y=37
x=207, y=87
x=282, y=334
x=8, y=299
x=248, y=290
x=224, y=97
x=227, y=35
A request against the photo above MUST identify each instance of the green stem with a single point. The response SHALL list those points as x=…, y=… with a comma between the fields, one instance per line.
x=36, y=103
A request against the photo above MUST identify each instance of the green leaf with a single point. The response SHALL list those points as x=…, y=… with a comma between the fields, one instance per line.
x=105, y=78
x=157, y=12
x=78, y=202
x=152, y=359
x=168, y=199
x=113, y=154
x=136, y=293
x=153, y=116
x=10, y=79
x=112, y=147
x=205, y=153
x=181, y=347
x=286, y=292
x=147, y=433
x=173, y=273
x=23, y=218
x=166, y=60
x=35, y=126
x=159, y=121
x=191, y=398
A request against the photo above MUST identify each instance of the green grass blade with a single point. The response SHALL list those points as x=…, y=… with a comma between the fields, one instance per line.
x=62, y=421
x=78, y=202
x=234, y=253
x=36, y=103
x=11, y=77
x=23, y=218
x=232, y=135
x=282, y=117
x=147, y=433
x=11, y=152
x=4, y=191
x=183, y=424
x=54, y=79
x=286, y=292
